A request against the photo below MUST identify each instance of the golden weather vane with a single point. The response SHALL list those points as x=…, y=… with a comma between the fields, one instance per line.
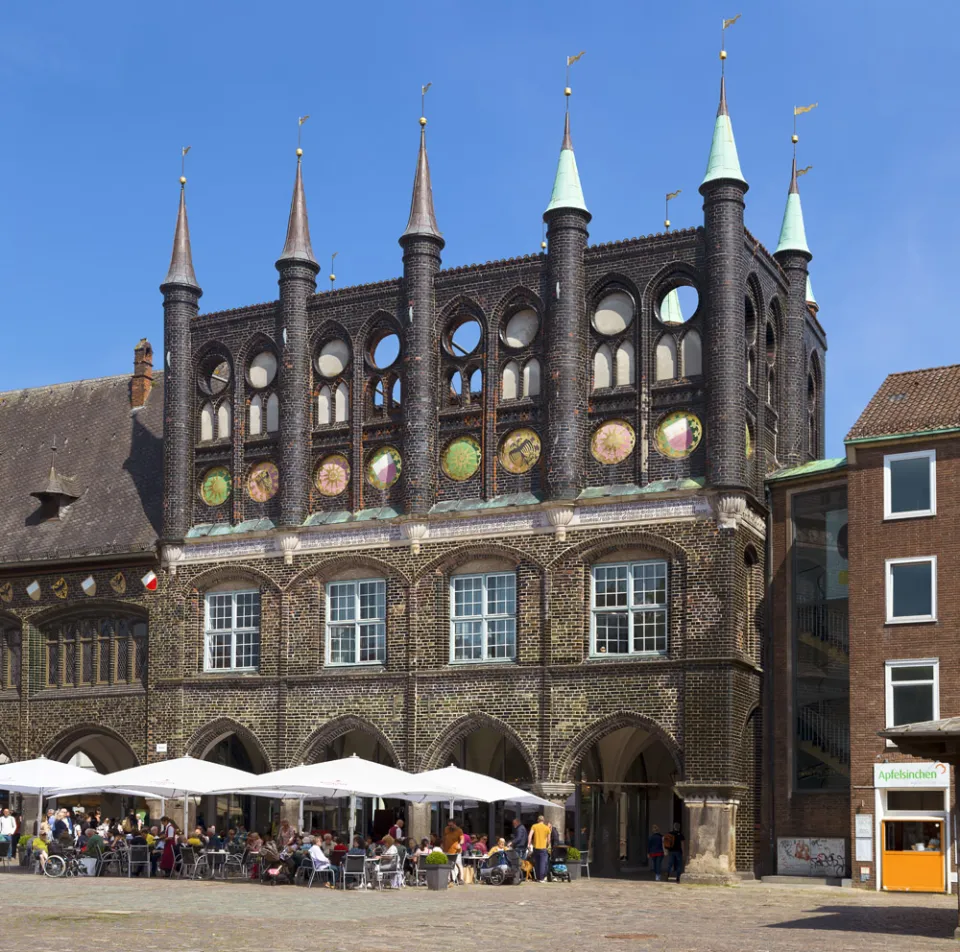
x=666, y=207
x=423, y=99
x=803, y=171
x=799, y=111
x=300, y=121
x=333, y=277
x=543, y=236
x=183, y=164
x=723, y=33
x=566, y=87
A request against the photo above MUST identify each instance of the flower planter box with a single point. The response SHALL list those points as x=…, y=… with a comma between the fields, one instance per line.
x=574, y=868
x=438, y=876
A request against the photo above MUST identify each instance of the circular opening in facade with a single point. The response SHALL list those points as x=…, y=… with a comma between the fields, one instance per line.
x=214, y=374
x=263, y=370
x=521, y=329
x=614, y=314
x=678, y=305
x=385, y=350
x=333, y=358
x=464, y=337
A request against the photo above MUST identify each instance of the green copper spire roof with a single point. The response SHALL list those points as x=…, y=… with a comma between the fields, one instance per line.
x=810, y=298
x=670, y=312
x=793, y=236
x=567, y=192
x=723, y=162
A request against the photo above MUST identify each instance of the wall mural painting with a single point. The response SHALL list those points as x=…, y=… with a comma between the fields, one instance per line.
x=263, y=481
x=332, y=475
x=461, y=458
x=383, y=467
x=678, y=434
x=612, y=442
x=215, y=486
x=520, y=451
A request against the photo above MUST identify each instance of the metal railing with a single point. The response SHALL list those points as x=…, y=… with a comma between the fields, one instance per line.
x=825, y=623
x=828, y=734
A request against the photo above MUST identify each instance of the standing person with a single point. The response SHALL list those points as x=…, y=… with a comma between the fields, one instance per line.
x=168, y=833
x=453, y=844
x=675, y=844
x=396, y=831
x=520, y=837
x=655, y=851
x=538, y=842
x=8, y=829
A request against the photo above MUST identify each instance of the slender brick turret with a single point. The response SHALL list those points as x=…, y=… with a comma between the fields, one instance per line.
x=298, y=273
x=181, y=300
x=422, y=244
x=566, y=382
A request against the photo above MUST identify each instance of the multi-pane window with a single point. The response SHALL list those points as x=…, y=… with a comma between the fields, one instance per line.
x=910, y=484
x=90, y=649
x=357, y=622
x=483, y=617
x=912, y=589
x=913, y=691
x=629, y=608
x=9, y=658
x=232, y=631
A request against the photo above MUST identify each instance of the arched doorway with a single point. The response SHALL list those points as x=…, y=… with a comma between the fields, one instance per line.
x=99, y=750
x=486, y=749
x=231, y=745
x=624, y=782
x=350, y=737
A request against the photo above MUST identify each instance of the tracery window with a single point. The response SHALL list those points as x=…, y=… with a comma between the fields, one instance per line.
x=96, y=649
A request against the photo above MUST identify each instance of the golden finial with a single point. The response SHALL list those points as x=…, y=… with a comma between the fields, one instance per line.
x=543, y=236
x=183, y=165
x=333, y=277
x=423, y=109
x=723, y=54
x=723, y=44
x=794, y=138
x=666, y=205
x=567, y=91
x=300, y=121
x=299, y=153
x=183, y=180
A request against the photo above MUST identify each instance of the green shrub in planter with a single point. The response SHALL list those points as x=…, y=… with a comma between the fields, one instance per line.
x=437, y=859
x=573, y=854
x=438, y=871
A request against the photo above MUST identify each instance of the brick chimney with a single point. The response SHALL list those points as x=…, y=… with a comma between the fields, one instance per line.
x=142, y=380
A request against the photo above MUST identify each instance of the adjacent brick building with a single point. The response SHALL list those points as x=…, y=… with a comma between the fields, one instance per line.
x=509, y=515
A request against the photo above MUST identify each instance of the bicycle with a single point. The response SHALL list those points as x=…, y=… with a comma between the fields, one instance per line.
x=60, y=865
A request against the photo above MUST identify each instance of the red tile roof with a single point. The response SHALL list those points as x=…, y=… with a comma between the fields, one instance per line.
x=911, y=402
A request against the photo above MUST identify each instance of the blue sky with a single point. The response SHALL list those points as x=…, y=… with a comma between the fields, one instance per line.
x=96, y=100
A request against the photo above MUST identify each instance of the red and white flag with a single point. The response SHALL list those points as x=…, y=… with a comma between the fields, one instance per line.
x=150, y=581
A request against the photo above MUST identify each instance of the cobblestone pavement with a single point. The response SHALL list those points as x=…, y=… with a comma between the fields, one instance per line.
x=80, y=915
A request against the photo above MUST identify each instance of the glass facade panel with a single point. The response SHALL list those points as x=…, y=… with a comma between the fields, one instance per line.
x=820, y=640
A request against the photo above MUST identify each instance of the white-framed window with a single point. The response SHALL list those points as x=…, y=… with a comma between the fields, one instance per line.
x=912, y=590
x=232, y=631
x=357, y=622
x=483, y=617
x=910, y=485
x=628, y=607
x=913, y=691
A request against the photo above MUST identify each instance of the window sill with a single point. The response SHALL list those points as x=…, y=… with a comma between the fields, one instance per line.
x=347, y=665
x=457, y=663
x=231, y=672
x=914, y=514
x=633, y=656
x=913, y=620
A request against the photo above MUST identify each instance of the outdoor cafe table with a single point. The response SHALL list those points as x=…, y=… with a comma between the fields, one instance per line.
x=214, y=863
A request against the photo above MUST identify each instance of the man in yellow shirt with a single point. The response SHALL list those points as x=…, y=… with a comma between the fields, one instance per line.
x=539, y=841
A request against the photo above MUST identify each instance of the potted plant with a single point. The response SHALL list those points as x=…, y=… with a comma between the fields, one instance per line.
x=23, y=848
x=573, y=863
x=438, y=870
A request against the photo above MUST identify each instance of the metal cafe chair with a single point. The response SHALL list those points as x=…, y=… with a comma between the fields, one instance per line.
x=355, y=867
x=138, y=856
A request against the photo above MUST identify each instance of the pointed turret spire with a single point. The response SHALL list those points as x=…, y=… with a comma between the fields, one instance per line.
x=723, y=163
x=567, y=192
x=297, y=246
x=422, y=220
x=793, y=236
x=181, y=261
x=811, y=300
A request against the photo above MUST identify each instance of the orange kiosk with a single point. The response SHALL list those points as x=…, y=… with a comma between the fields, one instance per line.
x=913, y=826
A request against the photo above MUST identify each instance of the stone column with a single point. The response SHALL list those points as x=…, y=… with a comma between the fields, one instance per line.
x=556, y=813
x=710, y=811
x=418, y=820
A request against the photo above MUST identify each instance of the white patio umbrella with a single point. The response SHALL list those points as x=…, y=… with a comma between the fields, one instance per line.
x=349, y=777
x=42, y=777
x=454, y=783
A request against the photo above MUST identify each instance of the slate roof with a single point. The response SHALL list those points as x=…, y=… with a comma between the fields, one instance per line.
x=814, y=467
x=114, y=454
x=916, y=401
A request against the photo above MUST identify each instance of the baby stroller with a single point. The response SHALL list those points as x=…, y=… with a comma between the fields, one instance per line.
x=502, y=868
x=558, y=865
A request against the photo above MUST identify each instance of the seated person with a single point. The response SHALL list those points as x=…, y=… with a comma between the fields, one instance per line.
x=370, y=846
x=321, y=862
x=339, y=851
x=358, y=848
x=327, y=844
x=481, y=846
x=94, y=845
x=213, y=841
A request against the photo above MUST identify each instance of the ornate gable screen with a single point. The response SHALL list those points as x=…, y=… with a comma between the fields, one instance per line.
x=95, y=649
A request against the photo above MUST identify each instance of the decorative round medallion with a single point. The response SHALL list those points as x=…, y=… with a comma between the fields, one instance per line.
x=215, y=486
x=383, y=467
x=263, y=481
x=519, y=451
x=749, y=443
x=679, y=434
x=461, y=458
x=332, y=475
x=612, y=442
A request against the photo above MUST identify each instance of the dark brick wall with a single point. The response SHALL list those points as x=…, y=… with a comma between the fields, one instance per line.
x=794, y=438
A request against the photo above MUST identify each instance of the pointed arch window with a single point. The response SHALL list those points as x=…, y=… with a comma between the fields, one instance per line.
x=626, y=365
x=206, y=423
x=395, y=393
x=341, y=404
x=509, y=378
x=476, y=382
x=666, y=358
x=771, y=387
x=378, y=394
x=456, y=388
x=323, y=406
x=223, y=421
x=602, y=368
x=531, y=378
x=751, y=369
x=273, y=413
x=691, y=354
